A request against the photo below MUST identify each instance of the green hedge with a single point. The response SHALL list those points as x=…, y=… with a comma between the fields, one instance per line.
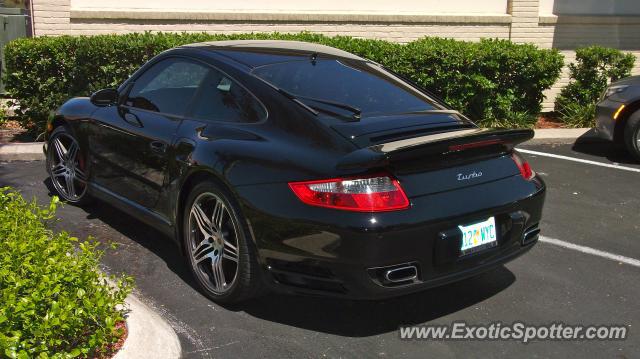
x=55, y=301
x=594, y=69
x=492, y=81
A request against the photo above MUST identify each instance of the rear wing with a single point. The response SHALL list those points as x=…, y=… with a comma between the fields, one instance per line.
x=499, y=140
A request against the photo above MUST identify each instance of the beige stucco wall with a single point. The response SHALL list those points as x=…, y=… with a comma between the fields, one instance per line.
x=58, y=17
x=292, y=6
x=590, y=7
x=519, y=20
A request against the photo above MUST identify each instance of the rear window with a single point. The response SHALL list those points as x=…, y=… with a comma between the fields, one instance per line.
x=356, y=83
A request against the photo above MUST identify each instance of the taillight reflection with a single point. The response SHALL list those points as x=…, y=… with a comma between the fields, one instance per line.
x=524, y=167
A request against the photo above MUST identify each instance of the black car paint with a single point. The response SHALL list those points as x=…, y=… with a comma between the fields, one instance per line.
x=613, y=129
x=154, y=158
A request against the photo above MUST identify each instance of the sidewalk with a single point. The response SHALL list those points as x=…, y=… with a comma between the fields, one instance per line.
x=149, y=336
x=28, y=151
x=562, y=135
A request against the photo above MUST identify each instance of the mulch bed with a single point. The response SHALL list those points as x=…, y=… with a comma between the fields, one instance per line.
x=11, y=131
x=109, y=351
x=112, y=349
x=549, y=120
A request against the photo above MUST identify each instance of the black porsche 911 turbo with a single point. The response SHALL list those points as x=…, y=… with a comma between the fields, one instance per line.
x=300, y=168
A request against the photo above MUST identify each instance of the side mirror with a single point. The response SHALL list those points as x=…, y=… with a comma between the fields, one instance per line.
x=104, y=97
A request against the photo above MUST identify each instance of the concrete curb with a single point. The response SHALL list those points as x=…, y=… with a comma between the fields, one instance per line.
x=562, y=135
x=149, y=335
x=32, y=151
x=28, y=151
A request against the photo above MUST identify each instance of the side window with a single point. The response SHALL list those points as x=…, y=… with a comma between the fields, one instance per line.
x=168, y=86
x=221, y=99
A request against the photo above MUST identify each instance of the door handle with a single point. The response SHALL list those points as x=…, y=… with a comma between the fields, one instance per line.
x=158, y=146
x=132, y=119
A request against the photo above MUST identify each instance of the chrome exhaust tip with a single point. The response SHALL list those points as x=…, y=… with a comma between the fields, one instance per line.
x=401, y=274
x=530, y=235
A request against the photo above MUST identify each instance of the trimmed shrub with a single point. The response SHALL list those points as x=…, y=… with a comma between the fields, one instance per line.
x=55, y=301
x=493, y=81
x=594, y=69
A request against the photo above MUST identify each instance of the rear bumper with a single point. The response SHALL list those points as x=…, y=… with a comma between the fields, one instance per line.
x=605, y=124
x=312, y=250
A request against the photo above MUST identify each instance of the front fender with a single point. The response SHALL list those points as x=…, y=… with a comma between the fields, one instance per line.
x=75, y=110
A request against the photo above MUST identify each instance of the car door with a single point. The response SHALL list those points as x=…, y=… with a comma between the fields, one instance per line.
x=131, y=143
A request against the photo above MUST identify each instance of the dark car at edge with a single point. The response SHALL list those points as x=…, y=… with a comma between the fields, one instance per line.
x=299, y=168
x=618, y=114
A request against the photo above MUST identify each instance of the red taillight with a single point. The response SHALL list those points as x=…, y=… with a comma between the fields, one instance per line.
x=365, y=194
x=524, y=167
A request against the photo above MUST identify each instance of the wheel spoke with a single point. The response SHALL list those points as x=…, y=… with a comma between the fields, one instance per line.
x=230, y=251
x=202, y=251
x=230, y=257
x=72, y=152
x=218, y=274
x=70, y=186
x=218, y=215
x=204, y=224
x=58, y=170
x=59, y=147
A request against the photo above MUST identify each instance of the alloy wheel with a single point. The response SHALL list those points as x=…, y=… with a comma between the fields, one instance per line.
x=213, y=243
x=66, y=167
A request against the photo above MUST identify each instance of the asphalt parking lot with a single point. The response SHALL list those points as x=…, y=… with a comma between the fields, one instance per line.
x=585, y=271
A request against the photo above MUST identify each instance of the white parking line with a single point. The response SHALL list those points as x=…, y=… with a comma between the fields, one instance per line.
x=588, y=250
x=596, y=163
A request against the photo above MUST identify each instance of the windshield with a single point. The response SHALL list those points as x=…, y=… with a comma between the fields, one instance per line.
x=362, y=85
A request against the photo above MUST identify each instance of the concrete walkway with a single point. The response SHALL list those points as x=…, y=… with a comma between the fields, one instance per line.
x=149, y=335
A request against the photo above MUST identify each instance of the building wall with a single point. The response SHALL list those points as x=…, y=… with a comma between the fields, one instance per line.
x=288, y=6
x=560, y=24
x=590, y=7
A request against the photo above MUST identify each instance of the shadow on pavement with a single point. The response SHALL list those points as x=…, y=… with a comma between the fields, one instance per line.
x=143, y=234
x=366, y=318
x=594, y=147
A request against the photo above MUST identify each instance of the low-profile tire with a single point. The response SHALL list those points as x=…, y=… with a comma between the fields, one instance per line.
x=67, y=167
x=632, y=135
x=218, y=246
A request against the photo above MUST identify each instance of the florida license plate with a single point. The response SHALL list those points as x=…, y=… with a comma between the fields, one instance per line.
x=478, y=236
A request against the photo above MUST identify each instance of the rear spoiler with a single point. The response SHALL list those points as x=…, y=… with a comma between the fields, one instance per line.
x=440, y=143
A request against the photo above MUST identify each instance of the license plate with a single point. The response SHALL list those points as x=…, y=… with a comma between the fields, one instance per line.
x=478, y=236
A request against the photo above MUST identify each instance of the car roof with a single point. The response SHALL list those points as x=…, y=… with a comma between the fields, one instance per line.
x=632, y=80
x=255, y=53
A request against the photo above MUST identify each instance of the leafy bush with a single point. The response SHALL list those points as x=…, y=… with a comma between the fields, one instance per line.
x=3, y=116
x=594, y=68
x=55, y=301
x=491, y=81
x=574, y=114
